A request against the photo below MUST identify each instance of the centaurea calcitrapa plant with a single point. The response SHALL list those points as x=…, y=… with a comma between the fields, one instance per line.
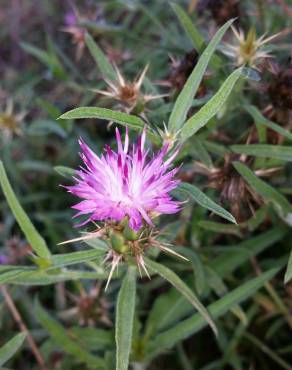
x=179, y=215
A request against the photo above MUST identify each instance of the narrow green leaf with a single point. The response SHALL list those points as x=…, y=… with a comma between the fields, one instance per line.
x=67, y=259
x=173, y=279
x=197, y=265
x=125, y=318
x=198, y=149
x=203, y=200
x=100, y=58
x=227, y=262
x=210, y=109
x=220, y=228
x=48, y=58
x=196, y=38
x=268, y=193
x=41, y=278
x=33, y=237
x=288, y=273
x=167, y=309
x=62, y=339
x=260, y=119
x=124, y=119
x=9, y=349
x=283, y=153
x=93, y=338
x=45, y=127
x=195, y=323
x=185, y=98
x=65, y=171
x=8, y=276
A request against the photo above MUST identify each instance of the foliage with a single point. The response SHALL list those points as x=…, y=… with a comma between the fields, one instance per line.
x=216, y=275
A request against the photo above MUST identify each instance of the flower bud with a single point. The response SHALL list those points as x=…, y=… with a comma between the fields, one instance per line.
x=118, y=242
x=130, y=234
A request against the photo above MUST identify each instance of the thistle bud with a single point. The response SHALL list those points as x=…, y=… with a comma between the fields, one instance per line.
x=130, y=234
x=118, y=242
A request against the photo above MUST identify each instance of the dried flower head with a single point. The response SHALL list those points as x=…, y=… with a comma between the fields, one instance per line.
x=90, y=307
x=234, y=190
x=279, y=91
x=72, y=21
x=10, y=122
x=129, y=93
x=181, y=69
x=248, y=49
x=221, y=10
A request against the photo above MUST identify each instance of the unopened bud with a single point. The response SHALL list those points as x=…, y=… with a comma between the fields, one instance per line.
x=130, y=234
x=118, y=242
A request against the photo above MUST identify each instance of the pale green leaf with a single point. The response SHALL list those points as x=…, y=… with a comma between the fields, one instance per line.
x=268, y=193
x=9, y=349
x=65, y=171
x=125, y=319
x=197, y=265
x=36, y=241
x=192, y=32
x=67, y=259
x=288, y=273
x=100, y=58
x=185, y=98
x=174, y=279
x=60, y=336
x=195, y=323
x=242, y=252
x=210, y=109
x=203, y=200
x=41, y=277
x=220, y=228
x=283, y=153
x=262, y=120
x=124, y=119
x=167, y=309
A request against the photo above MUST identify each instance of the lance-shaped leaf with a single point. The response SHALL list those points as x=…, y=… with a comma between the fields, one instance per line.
x=195, y=323
x=185, y=98
x=125, y=319
x=203, y=200
x=101, y=60
x=124, y=119
x=237, y=255
x=62, y=339
x=9, y=349
x=192, y=32
x=283, y=153
x=268, y=193
x=260, y=119
x=67, y=259
x=65, y=171
x=36, y=241
x=210, y=109
x=175, y=280
x=288, y=273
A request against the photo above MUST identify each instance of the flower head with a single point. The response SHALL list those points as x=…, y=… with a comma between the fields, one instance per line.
x=126, y=183
x=128, y=93
x=248, y=49
x=10, y=122
x=73, y=25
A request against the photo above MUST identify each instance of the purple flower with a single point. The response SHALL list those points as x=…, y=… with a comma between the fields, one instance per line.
x=70, y=18
x=3, y=259
x=125, y=183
